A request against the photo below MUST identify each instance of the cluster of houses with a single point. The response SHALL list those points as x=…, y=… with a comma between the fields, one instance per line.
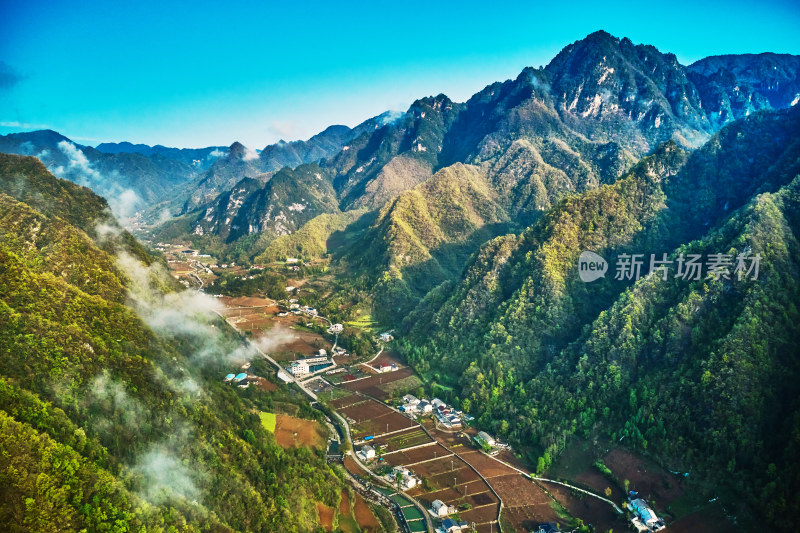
x=644, y=518
x=335, y=329
x=448, y=416
x=305, y=309
x=308, y=365
x=402, y=476
x=414, y=406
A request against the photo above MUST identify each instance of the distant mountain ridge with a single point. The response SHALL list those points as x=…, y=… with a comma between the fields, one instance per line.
x=699, y=373
x=129, y=181
x=200, y=158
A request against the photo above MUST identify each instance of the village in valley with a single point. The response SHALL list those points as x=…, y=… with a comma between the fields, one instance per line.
x=415, y=455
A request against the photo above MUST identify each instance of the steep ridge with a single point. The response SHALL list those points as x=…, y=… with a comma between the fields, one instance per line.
x=675, y=356
x=112, y=412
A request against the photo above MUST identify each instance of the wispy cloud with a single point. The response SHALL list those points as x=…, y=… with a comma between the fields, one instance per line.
x=23, y=125
x=191, y=314
x=250, y=154
x=9, y=76
x=283, y=129
x=123, y=202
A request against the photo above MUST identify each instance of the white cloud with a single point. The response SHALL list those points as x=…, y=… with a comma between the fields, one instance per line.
x=250, y=154
x=283, y=129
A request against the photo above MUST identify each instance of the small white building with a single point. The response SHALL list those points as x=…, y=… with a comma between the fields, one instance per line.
x=485, y=438
x=424, y=407
x=410, y=399
x=451, y=526
x=407, y=478
x=298, y=368
x=366, y=453
x=335, y=328
x=386, y=337
x=439, y=509
x=645, y=519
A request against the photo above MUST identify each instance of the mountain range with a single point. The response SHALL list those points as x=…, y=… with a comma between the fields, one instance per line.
x=112, y=413
x=461, y=225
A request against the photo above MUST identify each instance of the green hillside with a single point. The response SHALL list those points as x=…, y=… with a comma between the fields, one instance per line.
x=113, y=413
x=698, y=373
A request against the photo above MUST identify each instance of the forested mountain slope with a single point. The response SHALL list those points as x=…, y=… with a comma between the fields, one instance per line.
x=697, y=372
x=113, y=416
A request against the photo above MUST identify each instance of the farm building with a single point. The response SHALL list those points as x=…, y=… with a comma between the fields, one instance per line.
x=645, y=519
x=484, y=439
x=451, y=526
x=387, y=367
x=366, y=453
x=386, y=337
x=407, y=478
x=410, y=399
x=440, y=509
x=321, y=358
x=298, y=368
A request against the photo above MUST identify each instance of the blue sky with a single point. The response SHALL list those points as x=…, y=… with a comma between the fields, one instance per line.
x=200, y=73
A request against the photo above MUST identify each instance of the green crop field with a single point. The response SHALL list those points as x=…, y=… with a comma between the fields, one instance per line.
x=268, y=420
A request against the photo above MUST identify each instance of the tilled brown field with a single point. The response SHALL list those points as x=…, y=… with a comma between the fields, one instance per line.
x=378, y=379
x=424, y=453
x=373, y=418
x=413, y=437
x=589, y=509
x=517, y=491
x=646, y=477
x=487, y=466
x=481, y=516
x=364, y=410
x=345, y=401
